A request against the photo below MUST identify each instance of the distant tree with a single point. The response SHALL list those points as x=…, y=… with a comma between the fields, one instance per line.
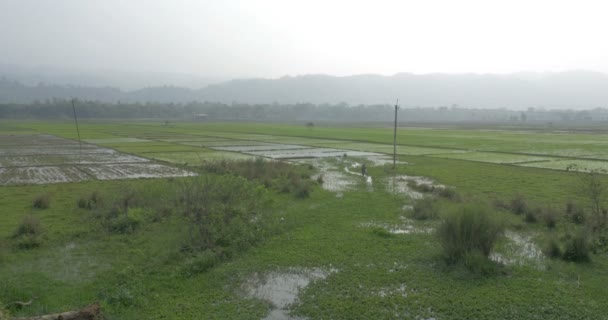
x=523, y=117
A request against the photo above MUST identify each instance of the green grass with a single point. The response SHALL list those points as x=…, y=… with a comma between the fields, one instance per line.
x=394, y=276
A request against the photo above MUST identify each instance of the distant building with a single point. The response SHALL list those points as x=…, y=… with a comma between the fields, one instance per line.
x=201, y=117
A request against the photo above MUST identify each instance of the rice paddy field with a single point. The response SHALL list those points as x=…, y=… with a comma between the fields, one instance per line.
x=349, y=250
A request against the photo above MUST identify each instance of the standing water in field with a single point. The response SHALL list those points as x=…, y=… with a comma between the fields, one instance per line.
x=403, y=184
x=333, y=179
x=281, y=289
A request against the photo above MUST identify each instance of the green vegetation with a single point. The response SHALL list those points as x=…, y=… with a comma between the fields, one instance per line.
x=42, y=201
x=469, y=232
x=423, y=209
x=188, y=247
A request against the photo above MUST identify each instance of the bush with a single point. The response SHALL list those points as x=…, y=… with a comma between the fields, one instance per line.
x=29, y=226
x=28, y=233
x=577, y=248
x=223, y=212
x=381, y=232
x=285, y=177
x=448, y=193
x=320, y=179
x=478, y=263
x=424, y=209
x=501, y=204
x=126, y=222
x=549, y=217
x=2, y=257
x=90, y=202
x=4, y=315
x=575, y=213
x=421, y=187
x=42, y=201
x=119, y=295
x=200, y=263
x=469, y=229
x=29, y=242
x=519, y=204
x=128, y=199
x=552, y=249
x=299, y=187
x=530, y=216
x=599, y=243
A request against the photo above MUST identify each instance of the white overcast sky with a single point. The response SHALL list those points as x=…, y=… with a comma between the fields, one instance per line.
x=272, y=38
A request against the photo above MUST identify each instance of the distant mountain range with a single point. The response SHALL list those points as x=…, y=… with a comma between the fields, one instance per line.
x=572, y=90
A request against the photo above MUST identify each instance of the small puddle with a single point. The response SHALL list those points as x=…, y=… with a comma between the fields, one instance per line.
x=401, y=185
x=281, y=289
x=519, y=250
x=405, y=227
x=383, y=160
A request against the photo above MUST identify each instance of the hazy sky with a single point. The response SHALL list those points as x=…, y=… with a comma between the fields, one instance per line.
x=271, y=38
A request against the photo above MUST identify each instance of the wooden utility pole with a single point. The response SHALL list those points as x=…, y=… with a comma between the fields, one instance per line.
x=77, y=130
x=395, y=136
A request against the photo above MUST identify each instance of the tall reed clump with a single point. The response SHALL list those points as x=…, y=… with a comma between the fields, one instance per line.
x=468, y=232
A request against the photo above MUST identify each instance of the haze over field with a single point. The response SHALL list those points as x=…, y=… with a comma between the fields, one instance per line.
x=482, y=54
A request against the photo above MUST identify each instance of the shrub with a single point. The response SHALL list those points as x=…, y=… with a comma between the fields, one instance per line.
x=381, y=232
x=285, y=177
x=119, y=295
x=549, y=217
x=422, y=187
x=448, y=193
x=478, y=263
x=122, y=224
x=424, y=209
x=29, y=242
x=200, y=263
x=552, y=248
x=222, y=212
x=575, y=213
x=301, y=188
x=320, y=179
x=599, y=243
x=577, y=248
x=91, y=201
x=2, y=257
x=128, y=199
x=530, y=216
x=42, y=201
x=519, y=204
x=28, y=233
x=29, y=226
x=4, y=314
x=467, y=230
x=126, y=222
x=501, y=204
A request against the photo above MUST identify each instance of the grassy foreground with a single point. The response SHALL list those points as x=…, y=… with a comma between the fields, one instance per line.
x=145, y=274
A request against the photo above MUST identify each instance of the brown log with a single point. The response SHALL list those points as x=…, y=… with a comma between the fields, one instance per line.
x=91, y=312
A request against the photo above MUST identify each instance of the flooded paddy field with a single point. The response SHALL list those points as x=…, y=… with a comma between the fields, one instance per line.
x=493, y=157
x=564, y=164
x=47, y=159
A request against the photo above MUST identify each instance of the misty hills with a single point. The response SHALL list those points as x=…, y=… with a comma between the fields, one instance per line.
x=572, y=90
